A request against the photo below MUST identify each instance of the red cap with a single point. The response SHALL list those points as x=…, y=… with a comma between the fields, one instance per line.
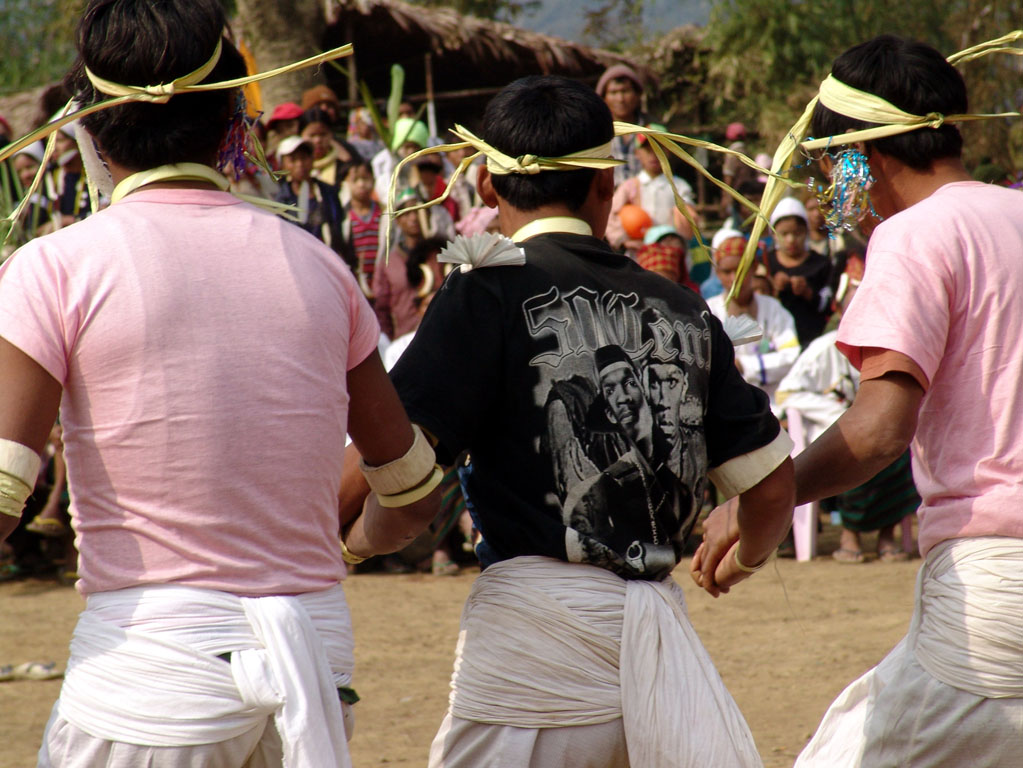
x=289, y=110
x=735, y=131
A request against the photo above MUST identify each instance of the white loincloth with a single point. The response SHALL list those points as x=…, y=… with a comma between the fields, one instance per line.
x=951, y=692
x=144, y=670
x=546, y=644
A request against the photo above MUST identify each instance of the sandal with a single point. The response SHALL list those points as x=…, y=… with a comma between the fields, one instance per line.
x=892, y=555
x=30, y=670
x=50, y=527
x=848, y=556
x=449, y=568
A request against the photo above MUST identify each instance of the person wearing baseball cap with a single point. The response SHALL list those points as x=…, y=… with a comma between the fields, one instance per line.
x=318, y=204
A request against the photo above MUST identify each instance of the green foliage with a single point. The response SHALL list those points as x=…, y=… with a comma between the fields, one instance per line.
x=37, y=40
x=615, y=24
x=496, y=10
x=760, y=61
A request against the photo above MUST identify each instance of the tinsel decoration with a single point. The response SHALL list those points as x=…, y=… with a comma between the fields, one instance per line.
x=847, y=199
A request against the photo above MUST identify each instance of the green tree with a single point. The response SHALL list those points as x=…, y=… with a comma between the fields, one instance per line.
x=38, y=38
x=615, y=24
x=767, y=57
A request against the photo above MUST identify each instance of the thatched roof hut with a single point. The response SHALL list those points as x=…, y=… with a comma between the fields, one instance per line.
x=468, y=59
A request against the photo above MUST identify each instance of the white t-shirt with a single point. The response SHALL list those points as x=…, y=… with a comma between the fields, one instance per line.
x=765, y=363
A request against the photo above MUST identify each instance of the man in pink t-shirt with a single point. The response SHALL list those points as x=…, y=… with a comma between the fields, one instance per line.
x=208, y=359
x=934, y=330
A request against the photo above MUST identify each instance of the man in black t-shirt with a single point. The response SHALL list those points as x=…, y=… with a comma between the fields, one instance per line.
x=594, y=398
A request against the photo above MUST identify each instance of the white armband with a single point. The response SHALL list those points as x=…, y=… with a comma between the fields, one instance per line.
x=19, y=468
x=404, y=473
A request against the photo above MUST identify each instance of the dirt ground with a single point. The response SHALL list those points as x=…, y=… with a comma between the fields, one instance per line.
x=786, y=642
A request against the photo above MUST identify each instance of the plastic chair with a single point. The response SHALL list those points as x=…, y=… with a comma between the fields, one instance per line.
x=804, y=517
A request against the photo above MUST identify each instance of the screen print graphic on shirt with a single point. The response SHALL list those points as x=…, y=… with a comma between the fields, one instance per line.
x=622, y=381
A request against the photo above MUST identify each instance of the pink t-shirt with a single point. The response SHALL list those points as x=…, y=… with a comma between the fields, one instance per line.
x=203, y=346
x=944, y=286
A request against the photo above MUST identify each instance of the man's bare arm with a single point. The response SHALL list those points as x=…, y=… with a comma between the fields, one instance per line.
x=381, y=433
x=750, y=530
x=873, y=433
x=28, y=407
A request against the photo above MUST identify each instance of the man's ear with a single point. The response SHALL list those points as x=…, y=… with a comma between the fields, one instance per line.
x=485, y=187
x=605, y=184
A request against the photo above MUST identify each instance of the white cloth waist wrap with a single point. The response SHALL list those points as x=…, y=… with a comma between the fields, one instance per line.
x=967, y=629
x=545, y=643
x=144, y=669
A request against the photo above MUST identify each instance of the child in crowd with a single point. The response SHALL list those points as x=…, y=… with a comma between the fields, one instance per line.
x=800, y=276
x=65, y=185
x=764, y=363
x=430, y=183
x=319, y=209
x=652, y=192
x=394, y=297
x=667, y=258
x=26, y=165
x=360, y=227
x=362, y=133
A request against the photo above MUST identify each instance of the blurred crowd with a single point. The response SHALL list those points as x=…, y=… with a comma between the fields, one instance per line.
x=335, y=170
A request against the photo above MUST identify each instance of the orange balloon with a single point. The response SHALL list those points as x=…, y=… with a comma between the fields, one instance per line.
x=635, y=221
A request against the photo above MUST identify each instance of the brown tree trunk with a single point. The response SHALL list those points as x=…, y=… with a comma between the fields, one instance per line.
x=279, y=32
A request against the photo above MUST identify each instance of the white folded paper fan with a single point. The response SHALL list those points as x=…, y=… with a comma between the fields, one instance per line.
x=743, y=329
x=486, y=249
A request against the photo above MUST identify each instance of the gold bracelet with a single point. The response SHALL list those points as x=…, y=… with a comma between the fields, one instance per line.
x=350, y=557
x=749, y=568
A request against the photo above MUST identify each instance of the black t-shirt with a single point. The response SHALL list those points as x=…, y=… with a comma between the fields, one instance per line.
x=592, y=395
x=811, y=315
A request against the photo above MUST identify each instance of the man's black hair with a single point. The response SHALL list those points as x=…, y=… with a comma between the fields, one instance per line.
x=547, y=116
x=148, y=43
x=915, y=78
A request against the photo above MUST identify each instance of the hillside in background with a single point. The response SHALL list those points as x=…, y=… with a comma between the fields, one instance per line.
x=566, y=18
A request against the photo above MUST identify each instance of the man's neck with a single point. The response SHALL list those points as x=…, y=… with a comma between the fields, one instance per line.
x=511, y=220
x=909, y=186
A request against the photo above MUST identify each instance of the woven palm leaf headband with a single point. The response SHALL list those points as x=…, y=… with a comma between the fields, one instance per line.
x=859, y=105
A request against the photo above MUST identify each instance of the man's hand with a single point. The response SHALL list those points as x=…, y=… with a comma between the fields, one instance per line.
x=758, y=519
x=720, y=534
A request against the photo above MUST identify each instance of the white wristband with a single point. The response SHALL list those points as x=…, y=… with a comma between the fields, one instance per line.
x=19, y=468
x=404, y=473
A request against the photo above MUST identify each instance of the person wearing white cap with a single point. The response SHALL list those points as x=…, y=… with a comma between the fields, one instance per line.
x=26, y=164
x=766, y=362
x=65, y=183
x=319, y=207
x=799, y=275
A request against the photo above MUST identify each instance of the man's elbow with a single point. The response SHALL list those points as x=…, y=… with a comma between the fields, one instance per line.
x=776, y=492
